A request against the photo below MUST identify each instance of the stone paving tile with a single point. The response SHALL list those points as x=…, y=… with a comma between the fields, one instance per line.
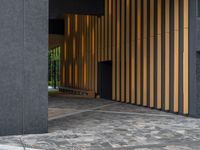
x=124, y=107
x=53, y=112
x=76, y=103
x=107, y=128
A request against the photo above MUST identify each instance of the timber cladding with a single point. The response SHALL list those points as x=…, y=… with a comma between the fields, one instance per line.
x=148, y=44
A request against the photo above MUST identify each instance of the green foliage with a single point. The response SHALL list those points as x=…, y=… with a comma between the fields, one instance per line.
x=54, y=66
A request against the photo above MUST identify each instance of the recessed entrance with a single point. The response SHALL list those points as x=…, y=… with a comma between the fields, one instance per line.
x=105, y=79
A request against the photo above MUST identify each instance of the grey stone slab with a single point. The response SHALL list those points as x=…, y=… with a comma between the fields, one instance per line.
x=11, y=66
x=23, y=65
x=36, y=66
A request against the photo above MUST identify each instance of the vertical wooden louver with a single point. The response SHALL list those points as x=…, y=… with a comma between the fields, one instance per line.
x=148, y=44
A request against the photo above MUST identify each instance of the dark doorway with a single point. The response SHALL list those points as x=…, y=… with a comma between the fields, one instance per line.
x=105, y=79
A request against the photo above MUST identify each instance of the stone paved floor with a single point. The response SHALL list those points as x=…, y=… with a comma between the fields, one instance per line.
x=95, y=124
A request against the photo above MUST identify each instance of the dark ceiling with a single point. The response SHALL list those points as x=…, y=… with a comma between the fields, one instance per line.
x=86, y=7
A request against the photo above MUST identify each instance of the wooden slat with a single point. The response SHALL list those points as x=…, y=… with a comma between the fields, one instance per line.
x=138, y=52
x=64, y=55
x=82, y=51
x=85, y=54
x=99, y=38
x=96, y=51
x=127, y=51
x=151, y=53
x=110, y=30
x=144, y=52
x=90, y=54
x=76, y=75
x=106, y=31
x=185, y=59
x=70, y=74
x=122, y=50
x=93, y=54
x=102, y=38
x=73, y=49
x=114, y=51
x=69, y=26
x=176, y=54
x=159, y=53
x=133, y=17
x=167, y=54
x=79, y=51
x=118, y=51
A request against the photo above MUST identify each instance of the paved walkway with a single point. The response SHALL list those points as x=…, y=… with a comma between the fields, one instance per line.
x=97, y=124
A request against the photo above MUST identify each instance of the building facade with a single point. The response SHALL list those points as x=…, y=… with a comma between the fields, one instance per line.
x=152, y=47
x=142, y=52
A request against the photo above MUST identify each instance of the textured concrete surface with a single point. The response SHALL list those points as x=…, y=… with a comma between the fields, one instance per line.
x=98, y=124
x=23, y=65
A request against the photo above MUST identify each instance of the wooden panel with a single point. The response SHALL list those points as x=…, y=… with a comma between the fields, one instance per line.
x=159, y=53
x=73, y=49
x=138, y=52
x=96, y=50
x=69, y=50
x=82, y=52
x=114, y=50
x=76, y=23
x=151, y=53
x=167, y=54
x=76, y=74
x=127, y=51
x=99, y=38
x=79, y=51
x=74, y=61
x=118, y=51
x=69, y=26
x=133, y=51
x=70, y=74
x=144, y=52
x=65, y=40
x=110, y=30
x=103, y=38
x=85, y=53
x=67, y=36
x=93, y=54
x=90, y=54
x=176, y=54
x=185, y=58
x=85, y=76
x=122, y=50
x=64, y=55
x=106, y=31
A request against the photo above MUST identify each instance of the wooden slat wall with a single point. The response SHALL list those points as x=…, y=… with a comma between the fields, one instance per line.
x=140, y=37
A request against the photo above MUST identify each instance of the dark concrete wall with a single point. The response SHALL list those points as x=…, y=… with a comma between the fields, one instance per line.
x=23, y=65
x=90, y=7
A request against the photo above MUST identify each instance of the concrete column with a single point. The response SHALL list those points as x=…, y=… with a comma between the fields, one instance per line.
x=23, y=66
